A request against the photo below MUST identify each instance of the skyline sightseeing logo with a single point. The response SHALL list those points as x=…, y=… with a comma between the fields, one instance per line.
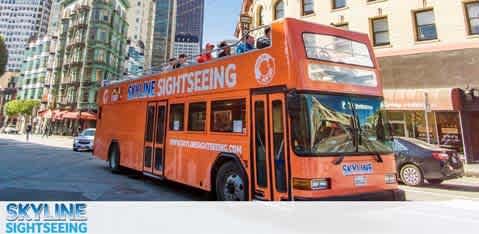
x=46, y=218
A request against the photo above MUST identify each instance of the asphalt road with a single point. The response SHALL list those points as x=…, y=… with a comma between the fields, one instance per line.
x=47, y=169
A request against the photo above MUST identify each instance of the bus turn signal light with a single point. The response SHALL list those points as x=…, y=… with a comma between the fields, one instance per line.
x=311, y=184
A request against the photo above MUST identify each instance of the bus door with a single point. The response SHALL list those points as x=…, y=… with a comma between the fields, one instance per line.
x=153, y=151
x=269, y=147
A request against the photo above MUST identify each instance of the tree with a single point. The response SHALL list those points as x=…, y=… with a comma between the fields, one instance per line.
x=13, y=108
x=3, y=56
x=20, y=107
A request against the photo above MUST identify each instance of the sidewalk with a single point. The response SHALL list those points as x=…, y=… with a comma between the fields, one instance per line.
x=472, y=170
x=56, y=141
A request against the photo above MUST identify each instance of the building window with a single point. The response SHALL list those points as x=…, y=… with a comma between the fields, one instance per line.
x=380, y=30
x=472, y=14
x=279, y=10
x=339, y=4
x=425, y=25
x=308, y=7
x=260, y=16
x=228, y=116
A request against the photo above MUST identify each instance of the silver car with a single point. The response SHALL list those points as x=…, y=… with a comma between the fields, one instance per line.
x=85, y=140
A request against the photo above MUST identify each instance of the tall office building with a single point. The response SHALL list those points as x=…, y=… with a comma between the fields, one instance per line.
x=428, y=54
x=19, y=21
x=55, y=17
x=140, y=18
x=177, y=22
x=162, y=34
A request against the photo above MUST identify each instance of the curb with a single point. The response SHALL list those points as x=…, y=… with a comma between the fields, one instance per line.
x=472, y=173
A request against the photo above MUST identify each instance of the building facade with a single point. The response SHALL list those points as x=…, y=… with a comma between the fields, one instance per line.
x=91, y=48
x=19, y=21
x=428, y=54
x=162, y=32
x=8, y=91
x=55, y=17
x=140, y=18
x=175, y=21
x=36, y=75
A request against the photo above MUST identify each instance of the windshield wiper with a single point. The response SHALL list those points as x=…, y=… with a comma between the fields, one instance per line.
x=377, y=155
x=339, y=160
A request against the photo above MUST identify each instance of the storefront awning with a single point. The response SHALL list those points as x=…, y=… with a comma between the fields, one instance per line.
x=439, y=99
x=79, y=115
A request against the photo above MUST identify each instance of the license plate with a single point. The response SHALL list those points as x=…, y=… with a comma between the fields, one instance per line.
x=360, y=181
x=357, y=169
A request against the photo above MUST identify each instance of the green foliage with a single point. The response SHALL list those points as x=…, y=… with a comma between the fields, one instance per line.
x=20, y=107
x=3, y=56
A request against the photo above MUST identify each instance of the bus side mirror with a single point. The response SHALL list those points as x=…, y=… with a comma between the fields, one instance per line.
x=293, y=101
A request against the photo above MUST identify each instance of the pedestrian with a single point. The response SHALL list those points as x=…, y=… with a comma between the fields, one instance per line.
x=45, y=131
x=28, y=131
x=182, y=61
x=225, y=49
x=206, y=56
x=246, y=45
x=79, y=130
x=264, y=41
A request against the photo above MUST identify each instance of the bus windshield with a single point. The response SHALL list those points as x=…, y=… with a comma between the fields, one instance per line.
x=332, y=124
x=336, y=49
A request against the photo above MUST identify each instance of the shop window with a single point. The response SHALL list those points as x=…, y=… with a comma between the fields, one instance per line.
x=177, y=117
x=228, y=116
x=425, y=25
x=197, y=116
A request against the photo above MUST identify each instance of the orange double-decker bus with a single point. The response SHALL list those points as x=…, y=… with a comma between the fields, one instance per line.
x=299, y=120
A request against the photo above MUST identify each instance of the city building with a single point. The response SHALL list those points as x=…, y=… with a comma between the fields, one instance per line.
x=186, y=44
x=177, y=23
x=428, y=54
x=140, y=18
x=135, y=62
x=162, y=32
x=189, y=27
x=55, y=17
x=8, y=91
x=91, y=48
x=19, y=21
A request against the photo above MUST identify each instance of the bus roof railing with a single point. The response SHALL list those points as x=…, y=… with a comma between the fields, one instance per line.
x=160, y=69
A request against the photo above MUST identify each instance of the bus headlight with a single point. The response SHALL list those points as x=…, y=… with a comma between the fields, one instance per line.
x=390, y=178
x=311, y=184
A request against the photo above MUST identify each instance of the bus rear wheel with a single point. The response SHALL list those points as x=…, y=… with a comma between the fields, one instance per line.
x=114, y=159
x=231, y=183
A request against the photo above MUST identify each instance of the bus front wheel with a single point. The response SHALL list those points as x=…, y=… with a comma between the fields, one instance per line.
x=114, y=159
x=231, y=183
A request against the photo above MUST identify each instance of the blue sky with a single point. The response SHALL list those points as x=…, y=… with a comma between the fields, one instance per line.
x=221, y=17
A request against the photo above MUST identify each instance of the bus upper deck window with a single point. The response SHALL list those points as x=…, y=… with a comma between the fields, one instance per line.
x=228, y=116
x=177, y=117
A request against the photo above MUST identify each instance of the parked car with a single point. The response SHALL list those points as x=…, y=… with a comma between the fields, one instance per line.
x=10, y=129
x=84, y=141
x=417, y=161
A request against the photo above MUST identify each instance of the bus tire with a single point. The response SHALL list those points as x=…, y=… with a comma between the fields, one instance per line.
x=231, y=183
x=114, y=158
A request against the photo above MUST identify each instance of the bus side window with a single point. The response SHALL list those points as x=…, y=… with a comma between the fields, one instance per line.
x=197, y=116
x=177, y=118
x=228, y=116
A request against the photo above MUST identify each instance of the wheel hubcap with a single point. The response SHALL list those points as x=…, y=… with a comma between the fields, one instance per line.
x=411, y=176
x=234, y=188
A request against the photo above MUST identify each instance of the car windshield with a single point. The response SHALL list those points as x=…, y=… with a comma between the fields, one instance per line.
x=332, y=124
x=88, y=133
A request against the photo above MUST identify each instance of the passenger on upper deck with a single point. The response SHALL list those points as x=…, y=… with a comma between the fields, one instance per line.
x=171, y=64
x=181, y=61
x=206, y=56
x=246, y=45
x=264, y=41
x=226, y=50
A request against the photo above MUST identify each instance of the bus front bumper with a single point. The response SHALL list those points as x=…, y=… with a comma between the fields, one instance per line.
x=386, y=195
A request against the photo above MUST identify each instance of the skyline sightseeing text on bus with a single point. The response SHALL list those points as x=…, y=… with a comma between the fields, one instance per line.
x=213, y=78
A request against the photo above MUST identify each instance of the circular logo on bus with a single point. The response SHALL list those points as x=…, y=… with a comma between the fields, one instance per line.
x=265, y=69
